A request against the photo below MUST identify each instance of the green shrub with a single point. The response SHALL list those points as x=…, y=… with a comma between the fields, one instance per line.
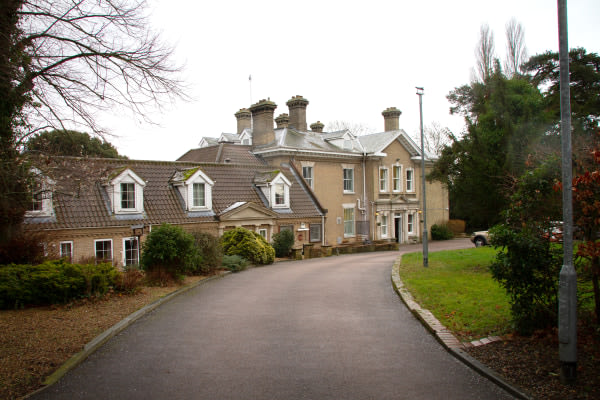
x=283, y=242
x=53, y=282
x=441, y=232
x=211, y=251
x=249, y=245
x=528, y=268
x=234, y=263
x=171, y=250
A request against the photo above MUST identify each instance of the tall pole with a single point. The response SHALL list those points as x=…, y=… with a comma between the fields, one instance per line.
x=425, y=247
x=567, y=292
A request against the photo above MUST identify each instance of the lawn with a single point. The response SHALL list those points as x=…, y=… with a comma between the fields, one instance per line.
x=458, y=289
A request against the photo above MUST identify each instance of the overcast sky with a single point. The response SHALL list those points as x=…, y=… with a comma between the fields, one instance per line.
x=350, y=59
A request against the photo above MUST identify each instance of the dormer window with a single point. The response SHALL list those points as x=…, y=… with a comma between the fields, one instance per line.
x=195, y=188
x=41, y=195
x=275, y=187
x=280, y=192
x=126, y=192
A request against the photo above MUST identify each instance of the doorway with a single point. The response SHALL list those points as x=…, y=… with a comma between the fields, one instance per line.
x=398, y=228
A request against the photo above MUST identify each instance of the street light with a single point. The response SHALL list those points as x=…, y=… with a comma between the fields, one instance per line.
x=567, y=287
x=425, y=249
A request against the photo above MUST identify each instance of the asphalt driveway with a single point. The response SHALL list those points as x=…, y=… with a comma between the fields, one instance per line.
x=329, y=328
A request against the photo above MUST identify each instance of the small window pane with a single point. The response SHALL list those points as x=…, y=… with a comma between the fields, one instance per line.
x=383, y=180
x=279, y=194
x=131, y=251
x=127, y=195
x=104, y=250
x=348, y=180
x=66, y=250
x=307, y=174
x=409, y=180
x=315, y=232
x=199, y=195
x=397, y=182
x=348, y=221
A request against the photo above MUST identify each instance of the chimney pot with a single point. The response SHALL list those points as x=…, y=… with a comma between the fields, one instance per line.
x=282, y=121
x=244, y=119
x=317, y=127
x=262, y=115
x=297, y=109
x=391, y=117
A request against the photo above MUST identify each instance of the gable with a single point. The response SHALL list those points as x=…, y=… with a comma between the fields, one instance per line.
x=247, y=211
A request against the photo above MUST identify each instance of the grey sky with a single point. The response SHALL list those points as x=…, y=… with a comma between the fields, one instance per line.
x=350, y=59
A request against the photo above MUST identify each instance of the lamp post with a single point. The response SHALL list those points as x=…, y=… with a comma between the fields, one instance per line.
x=425, y=247
x=567, y=287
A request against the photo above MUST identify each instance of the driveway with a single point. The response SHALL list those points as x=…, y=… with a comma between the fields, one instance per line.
x=329, y=328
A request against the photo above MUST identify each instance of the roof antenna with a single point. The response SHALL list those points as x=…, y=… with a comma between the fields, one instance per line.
x=251, y=118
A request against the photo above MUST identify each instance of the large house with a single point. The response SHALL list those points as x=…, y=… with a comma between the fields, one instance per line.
x=104, y=208
x=370, y=185
x=329, y=188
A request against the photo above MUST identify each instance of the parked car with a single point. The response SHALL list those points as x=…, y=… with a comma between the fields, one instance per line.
x=480, y=238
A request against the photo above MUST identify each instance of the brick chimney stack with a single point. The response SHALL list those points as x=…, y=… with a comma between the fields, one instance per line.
x=391, y=117
x=262, y=115
x=244, y=120
x=317, y=127
x=282, y=121
x=297, y=108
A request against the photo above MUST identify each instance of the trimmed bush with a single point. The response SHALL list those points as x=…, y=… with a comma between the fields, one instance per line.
x=53, y=282
x=249, y=245
x=211, y=251
x=234, y=263
x=169, y=249
x=283, y=243
x=441, y=232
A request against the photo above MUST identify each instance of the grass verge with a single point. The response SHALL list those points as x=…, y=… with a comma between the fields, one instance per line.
x=458, y=289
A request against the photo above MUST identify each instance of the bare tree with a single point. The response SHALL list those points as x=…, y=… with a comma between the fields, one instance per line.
x=516, y=52
x=436, y=138
x=61, y=61
x=485, y=53
x=356, y=128
x=90, y=55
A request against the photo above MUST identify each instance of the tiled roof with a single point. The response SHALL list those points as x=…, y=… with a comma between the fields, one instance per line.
x=80, y=199
x=222, y=154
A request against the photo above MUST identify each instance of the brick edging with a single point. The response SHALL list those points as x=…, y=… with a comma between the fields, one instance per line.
x=447, y=338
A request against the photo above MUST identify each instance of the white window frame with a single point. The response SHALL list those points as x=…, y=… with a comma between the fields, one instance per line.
x=410, y=224
x=44, y=206
x=280, y=180
x=308, y=175
x=126, y=239
x=70, y=255
x=349, y=223
x=264, y=233
x=384, y=180
x=198, y=177
x=384, y=225
x=397, y=178
x=350, y=180
x=125, y=177
x=196, y=200
x=96, y=241
x=410, y=183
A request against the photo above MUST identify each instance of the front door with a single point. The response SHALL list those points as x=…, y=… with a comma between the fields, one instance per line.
x=398, y=228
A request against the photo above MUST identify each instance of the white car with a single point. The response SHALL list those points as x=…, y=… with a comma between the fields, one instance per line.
x=480, y=238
